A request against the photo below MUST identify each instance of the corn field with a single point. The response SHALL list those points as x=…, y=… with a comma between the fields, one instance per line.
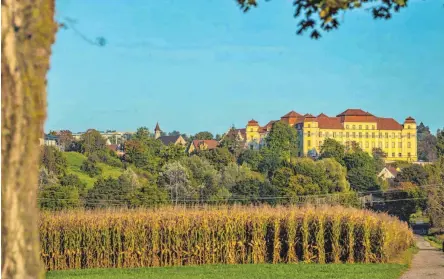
x=230, y=235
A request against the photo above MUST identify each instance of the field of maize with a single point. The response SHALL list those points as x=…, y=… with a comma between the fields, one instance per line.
x=230, y=235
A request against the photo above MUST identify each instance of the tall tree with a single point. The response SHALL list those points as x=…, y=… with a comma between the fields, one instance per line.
x=53, y=160
x=65, y=139
x=440, y=143
x=203, y=136
x=333, y=149
x=28, y=31
x=92, y=141
x=282, y=140
x=361, y=171
x=426, y=143
x=175, y=180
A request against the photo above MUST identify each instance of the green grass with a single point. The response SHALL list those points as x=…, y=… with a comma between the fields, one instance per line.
x=434, y=241
x=262, y=271
x=75, y=160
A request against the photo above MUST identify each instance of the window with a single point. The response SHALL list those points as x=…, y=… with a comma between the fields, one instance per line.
x=353, y=127
x=409, y=145
x=360, y=127
x=320, y=134
x=308, y=135
x=380, y=144
x=373, y=127
x=366, y=127
x=399, y=155
x=334, y=134
x=353, y=135
x=360, y=134
x=408, y=126
x=393, y=135
x=386, y=145
x=400, y=144
x=308, y=143
x=373, y=135
x=366, y=135
x=408, y=135
x=380, y=135
x=393, y=144
x=386, y=135
x=346, y=134
x=393, y=154
x=340, y=134
x=408, y=155
x=346, y=127
x=366, y=145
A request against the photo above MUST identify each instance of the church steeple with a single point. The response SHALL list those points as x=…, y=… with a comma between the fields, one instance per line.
x=157, y=131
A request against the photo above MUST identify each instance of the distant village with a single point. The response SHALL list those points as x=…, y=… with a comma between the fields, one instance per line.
x=397, y=141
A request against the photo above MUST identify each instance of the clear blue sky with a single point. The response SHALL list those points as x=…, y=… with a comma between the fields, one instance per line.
x=204, y=65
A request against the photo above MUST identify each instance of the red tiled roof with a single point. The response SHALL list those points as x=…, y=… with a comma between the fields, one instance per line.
x=291, y=114
x=322, y=115
x=388, y=124
x=112, y=147
x=252, y=122
x=330, y=123
x=409, y=120
x=212, y=144
x=354, y=112
x=392, y=170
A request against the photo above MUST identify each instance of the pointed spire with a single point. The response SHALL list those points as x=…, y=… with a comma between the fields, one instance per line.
x=157, y=127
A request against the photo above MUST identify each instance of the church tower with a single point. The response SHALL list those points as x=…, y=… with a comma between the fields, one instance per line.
x=157, y=131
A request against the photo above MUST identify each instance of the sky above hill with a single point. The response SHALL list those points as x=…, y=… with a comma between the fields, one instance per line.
x=204, y=65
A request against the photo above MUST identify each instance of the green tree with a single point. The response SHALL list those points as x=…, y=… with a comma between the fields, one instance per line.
x=149, y=196
x=205, y=179
x=406, y=200
x=426, y=144
x=281, y=179
x=92, y=141
x=65, y=139
x=246, y=191
x=336, y=175
x=90, y=167
x=175, y=179
x=203, y=136
x=440, y=143
x=57, y=197
x=300, y=184
x=218, y=157
x=142, y=134
x=333, y=149
x=270, y=162
x=109, y=192
x=415, y=174
x=174, y=133
x=232, y=141
x=250, y=157
x=283, y=140
x=53, y=160
x=72, y=180
x=172, y=152
x=361, y=171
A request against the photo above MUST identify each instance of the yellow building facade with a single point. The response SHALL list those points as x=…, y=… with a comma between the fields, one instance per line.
x=398, y=142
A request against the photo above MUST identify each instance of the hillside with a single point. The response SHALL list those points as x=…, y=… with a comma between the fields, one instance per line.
x=75, y=160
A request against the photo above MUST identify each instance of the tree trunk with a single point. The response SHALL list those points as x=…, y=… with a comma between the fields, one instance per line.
x=28, y=31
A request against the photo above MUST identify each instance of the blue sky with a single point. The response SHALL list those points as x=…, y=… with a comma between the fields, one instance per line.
x=204, y=65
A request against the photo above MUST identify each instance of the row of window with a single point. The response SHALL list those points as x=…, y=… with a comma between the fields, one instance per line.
x=372, y=127
x=367, y=144
x=360, y=135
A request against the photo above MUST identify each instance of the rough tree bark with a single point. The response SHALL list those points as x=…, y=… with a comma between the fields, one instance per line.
x=28, y=31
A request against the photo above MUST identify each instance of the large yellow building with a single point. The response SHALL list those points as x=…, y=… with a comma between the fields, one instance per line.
x=398, y=141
